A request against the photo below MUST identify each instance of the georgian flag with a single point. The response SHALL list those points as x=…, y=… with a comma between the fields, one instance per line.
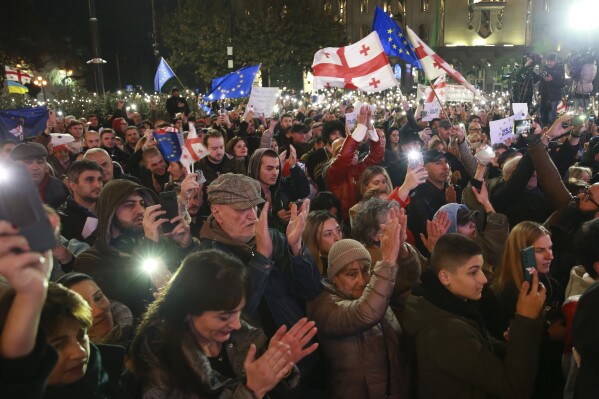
x=440, y=88
x=433, y=65
x=17, y=75
x=359, y=66
x=193, y=150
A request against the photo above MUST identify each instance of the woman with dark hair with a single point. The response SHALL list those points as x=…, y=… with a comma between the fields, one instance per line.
x=237, y=148
x=392, y=147
x=112, y=321
x=192, y=342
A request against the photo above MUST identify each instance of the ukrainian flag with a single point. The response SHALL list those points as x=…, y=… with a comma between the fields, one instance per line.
x=16, y=87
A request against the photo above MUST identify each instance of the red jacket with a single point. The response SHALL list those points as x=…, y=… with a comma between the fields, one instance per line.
x=342, y=177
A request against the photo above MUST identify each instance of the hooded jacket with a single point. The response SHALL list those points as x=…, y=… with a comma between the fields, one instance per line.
x=118, y=270
x=284, y=191
x=491, y=237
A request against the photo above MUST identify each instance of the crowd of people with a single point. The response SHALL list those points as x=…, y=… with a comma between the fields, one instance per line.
x=308, y=258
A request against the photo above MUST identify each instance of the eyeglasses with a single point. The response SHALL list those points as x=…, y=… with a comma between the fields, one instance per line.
x=588, y=196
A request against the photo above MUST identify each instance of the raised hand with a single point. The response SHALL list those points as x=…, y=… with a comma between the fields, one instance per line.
x=391, y=237
x=26, y=271
x=434, y=230
x=531, y=303
x=483, y=197
x=263, y=239
x=181, y=233
x=296, y=226
x=415, y=177
x=297, y=338
x=450, y=195
x=264, y=373
x=152, y=222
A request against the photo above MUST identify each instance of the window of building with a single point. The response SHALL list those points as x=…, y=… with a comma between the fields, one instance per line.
x=425, y=6
x=364, y=7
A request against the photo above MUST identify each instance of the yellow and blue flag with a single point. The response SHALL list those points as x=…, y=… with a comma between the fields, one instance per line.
x=234, y=85
x=395, y=42
x=163, y=73
x=16, y=87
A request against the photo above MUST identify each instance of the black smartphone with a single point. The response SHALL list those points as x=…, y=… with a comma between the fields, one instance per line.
x=592, y=119
x=477, y=184
x=527, y=257
x=21, y=205
x=168, y=203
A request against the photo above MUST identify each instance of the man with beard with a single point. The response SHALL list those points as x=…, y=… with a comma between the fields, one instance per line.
x=131, y=259
x=217, y=162
x=78, y=218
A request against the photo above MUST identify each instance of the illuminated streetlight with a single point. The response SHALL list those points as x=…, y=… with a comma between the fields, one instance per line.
x=41, y=82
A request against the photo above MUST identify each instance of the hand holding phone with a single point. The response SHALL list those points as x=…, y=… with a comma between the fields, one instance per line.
x=169, y=204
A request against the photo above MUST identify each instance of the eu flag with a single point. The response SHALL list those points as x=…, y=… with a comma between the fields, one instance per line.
x=170, y=143
x=234, y=85
x=19, y=124
x=394, y=41
x=163, y=73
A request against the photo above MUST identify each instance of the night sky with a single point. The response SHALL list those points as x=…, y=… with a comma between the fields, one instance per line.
x=61, y=31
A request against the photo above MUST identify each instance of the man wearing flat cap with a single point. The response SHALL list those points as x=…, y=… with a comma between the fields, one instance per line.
x=282, y=271
x=33, y=156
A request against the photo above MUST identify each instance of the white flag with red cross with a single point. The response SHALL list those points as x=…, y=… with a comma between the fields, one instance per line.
x=193, y=150
x=440, y=88
x=433, y=65
x=359, y=66
x=17, y=75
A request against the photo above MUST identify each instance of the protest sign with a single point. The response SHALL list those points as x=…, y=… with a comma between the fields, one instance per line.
x=431, y=111
x=502, y=130
x=263, y=101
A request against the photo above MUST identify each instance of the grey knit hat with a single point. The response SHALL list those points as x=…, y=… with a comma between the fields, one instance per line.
x=344, y=252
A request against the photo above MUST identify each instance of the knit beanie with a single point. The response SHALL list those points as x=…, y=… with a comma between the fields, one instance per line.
x=344, y=252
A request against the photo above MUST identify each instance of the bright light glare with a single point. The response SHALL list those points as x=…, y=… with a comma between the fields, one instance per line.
x=413, y=155
x=4, y=175
x=149, y=265
x=583, y=14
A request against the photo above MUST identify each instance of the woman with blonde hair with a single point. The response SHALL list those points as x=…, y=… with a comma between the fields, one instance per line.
x=508, y=277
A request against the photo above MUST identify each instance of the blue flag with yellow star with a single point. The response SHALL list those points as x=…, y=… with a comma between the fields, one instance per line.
x=170, y=143
x=163, y=73
x=234, y=85
x=395, y=42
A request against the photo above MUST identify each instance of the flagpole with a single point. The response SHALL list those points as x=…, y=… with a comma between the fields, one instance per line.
x=440, y=103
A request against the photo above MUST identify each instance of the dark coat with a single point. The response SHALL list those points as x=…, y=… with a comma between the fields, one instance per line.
x=115, y=263
x=72, y=220
x=457, y=358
